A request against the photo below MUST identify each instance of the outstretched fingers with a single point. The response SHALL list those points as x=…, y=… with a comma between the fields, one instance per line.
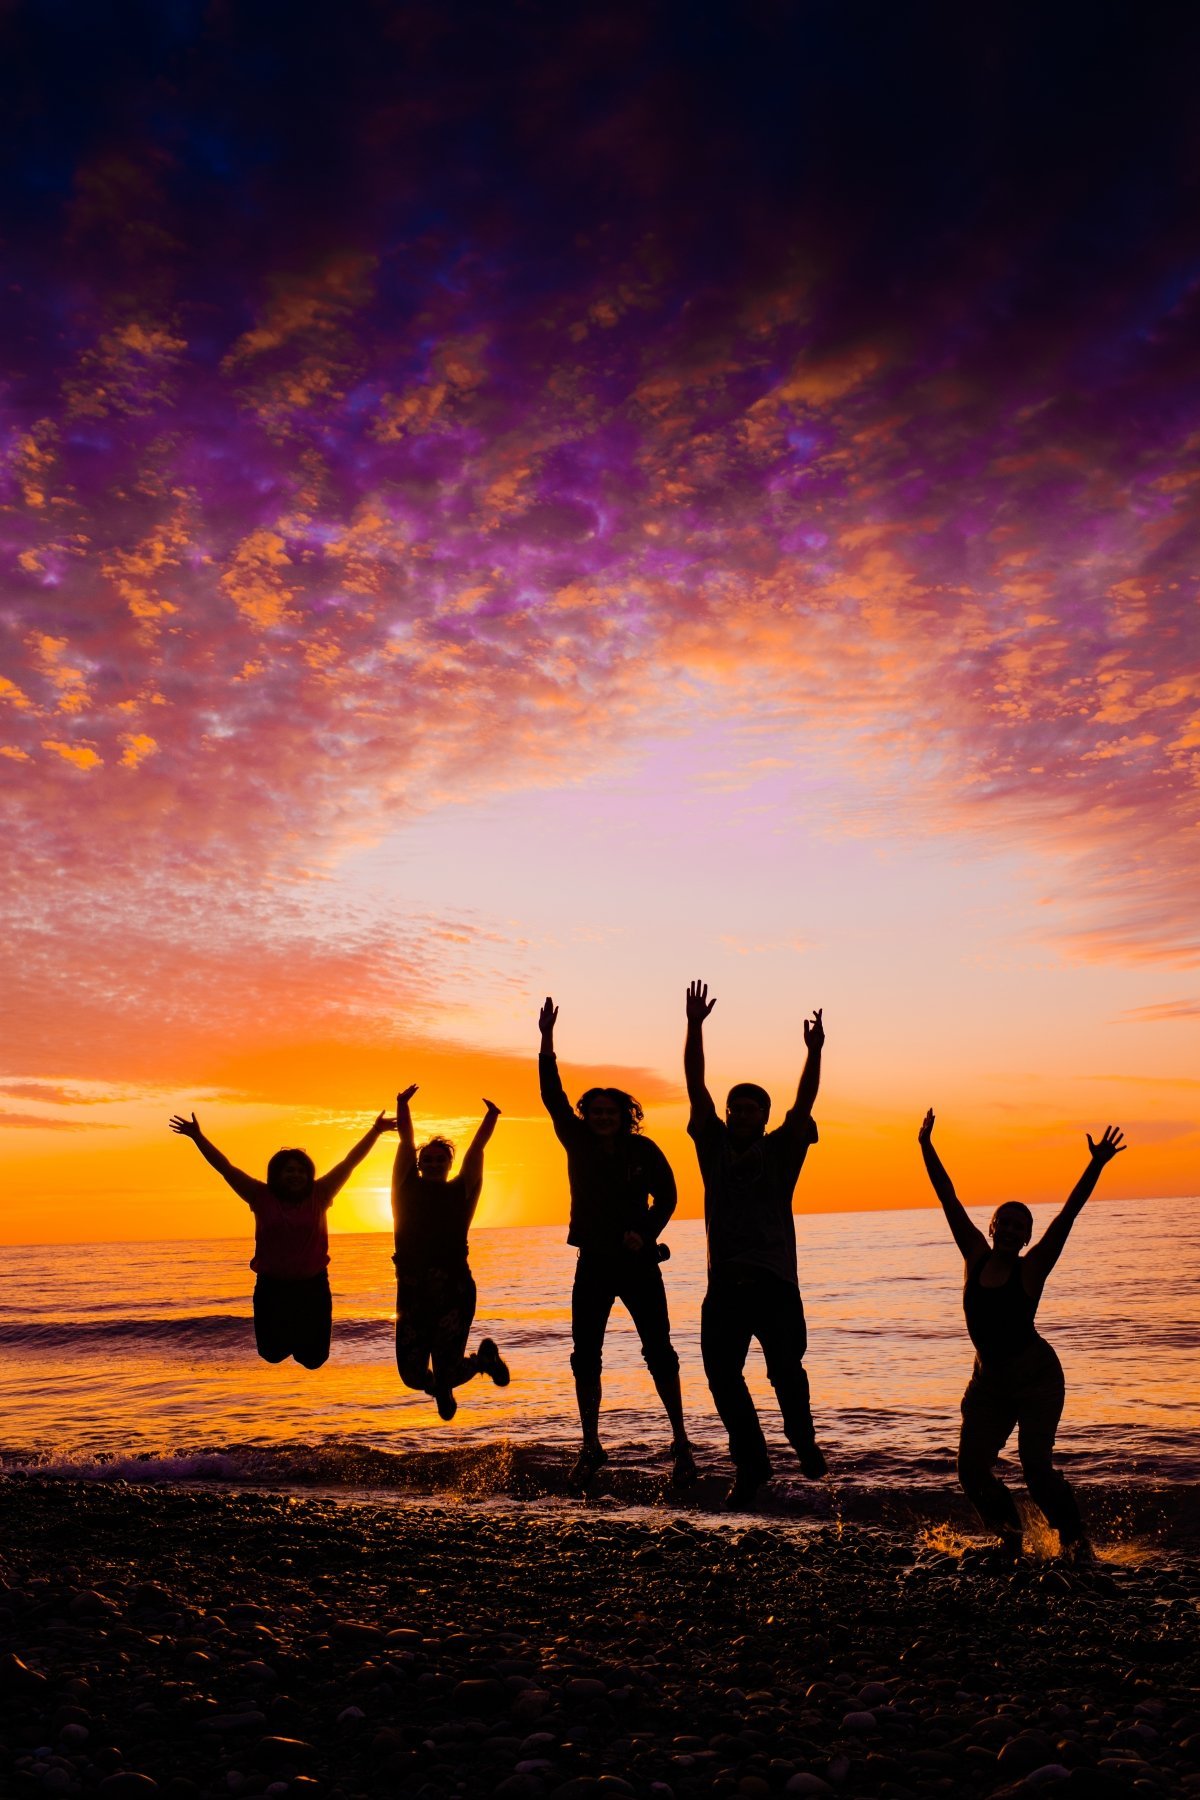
x=1110, y=1145
x=926, y=1132
x=185, y=1127
x=548, y=1017
x=698, y=1003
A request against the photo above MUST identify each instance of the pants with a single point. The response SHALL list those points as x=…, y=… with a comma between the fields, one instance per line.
x=1027, y=1393
x=434, y=1314
x=743, y=1303
x=293, y=1318
x=635, y=1278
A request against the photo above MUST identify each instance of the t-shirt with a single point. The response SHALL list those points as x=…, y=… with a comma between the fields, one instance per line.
x=291, y=1237
x=628, y=1187
x=431, y=1221
x=748, y=1192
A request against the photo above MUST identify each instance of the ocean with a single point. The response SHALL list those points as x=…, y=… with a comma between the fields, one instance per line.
x=137, y=1361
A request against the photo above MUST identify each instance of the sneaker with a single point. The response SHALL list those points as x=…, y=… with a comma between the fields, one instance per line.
x=590, y=1461
x=447, y=1405
x=812, y=1462
x=491, y=1362
x=683, y=1465
x=743, y=1495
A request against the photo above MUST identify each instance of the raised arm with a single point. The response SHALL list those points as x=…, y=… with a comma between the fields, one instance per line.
x=554, y=1098
x=967, y=1236
x=698, y=1008
x=244, y=1186
x=810, y=1075
x=406, y=1148
x=1043, y=1255
x=332, y=1183
x=472, y=1162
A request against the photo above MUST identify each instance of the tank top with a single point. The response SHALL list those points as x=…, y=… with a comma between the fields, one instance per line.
x=999, y=1319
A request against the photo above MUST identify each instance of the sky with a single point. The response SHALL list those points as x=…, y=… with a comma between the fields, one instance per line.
x=508, y=500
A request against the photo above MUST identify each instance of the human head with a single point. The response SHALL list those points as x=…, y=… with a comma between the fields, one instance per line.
x=1011, y=1227
x=290, y=1174
x=747, y=1109
x=609, y=1112
x=434, y=1158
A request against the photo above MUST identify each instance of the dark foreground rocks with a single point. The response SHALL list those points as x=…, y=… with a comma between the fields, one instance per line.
x=188, y=1643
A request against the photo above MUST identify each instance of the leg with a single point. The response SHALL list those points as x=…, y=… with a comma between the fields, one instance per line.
x=412, y=1339
x=272, y=1327
x=312, y=1324
x=783, y=1334
x=592, y=1296
x=988, y=1416
x=725, y=1333
x=645, y=1296
x=451, y=1368
x=1037, y=1422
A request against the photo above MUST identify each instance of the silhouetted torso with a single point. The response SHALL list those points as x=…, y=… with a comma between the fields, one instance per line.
x=615, y=1187
x=999, y=1319
x=431, y=1223
x=748, y=1194
x=291, y=1237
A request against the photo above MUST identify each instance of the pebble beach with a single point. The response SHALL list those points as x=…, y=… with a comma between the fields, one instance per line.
x=201, y=1643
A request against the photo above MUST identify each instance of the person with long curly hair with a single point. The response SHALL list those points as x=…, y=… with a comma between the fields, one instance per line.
x=622, y=1195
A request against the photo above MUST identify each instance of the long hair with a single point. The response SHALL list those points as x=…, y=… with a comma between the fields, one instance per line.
x=289, y=1155
x=626, y=1105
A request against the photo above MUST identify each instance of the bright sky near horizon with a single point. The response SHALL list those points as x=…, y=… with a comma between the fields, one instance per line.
x=558, y=503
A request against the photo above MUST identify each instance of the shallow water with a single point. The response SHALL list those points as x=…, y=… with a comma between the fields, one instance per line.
x=147, y=1350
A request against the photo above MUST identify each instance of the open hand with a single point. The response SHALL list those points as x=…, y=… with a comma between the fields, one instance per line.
x=383, y=1123
x=1110, y=1145
x=698, y=1003
x=548, y=1017
x=925, y=1135
x=186, y=1127
x=814, y=1031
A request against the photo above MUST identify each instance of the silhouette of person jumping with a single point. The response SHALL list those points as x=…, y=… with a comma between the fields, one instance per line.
x=435, y=1290
x=1017, y=1378
x=293, y=1309
x=622, y=1194
x=749, y=1176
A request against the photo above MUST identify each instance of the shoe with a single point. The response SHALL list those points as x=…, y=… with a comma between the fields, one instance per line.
x=683, y=1465
x=743, y=1495
x=812, y=1462
x=1077, y=1553
x=489, y=1359
x=590, y=1461
x=447, y=1405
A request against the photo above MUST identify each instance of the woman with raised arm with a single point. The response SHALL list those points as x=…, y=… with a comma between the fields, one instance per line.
x=435, y=1291
x=293, y=1310
x=1017, y=1379
x=622, y=1194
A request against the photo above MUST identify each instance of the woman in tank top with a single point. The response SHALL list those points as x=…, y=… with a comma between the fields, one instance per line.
x=1017, y=1379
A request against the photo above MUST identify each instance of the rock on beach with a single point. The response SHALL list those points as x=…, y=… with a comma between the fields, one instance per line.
x=199, y=1644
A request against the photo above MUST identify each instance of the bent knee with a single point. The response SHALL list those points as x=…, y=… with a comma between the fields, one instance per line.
x=661, y=1359
x=311, y=1359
